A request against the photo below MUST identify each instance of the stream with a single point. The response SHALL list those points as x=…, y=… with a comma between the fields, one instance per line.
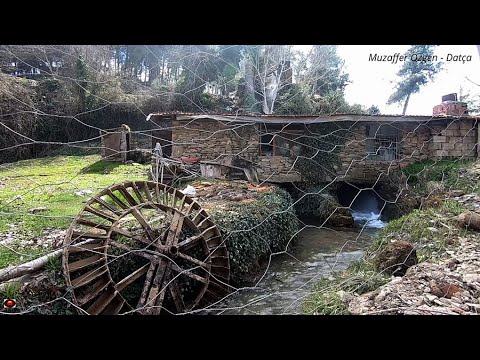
x=289, y=278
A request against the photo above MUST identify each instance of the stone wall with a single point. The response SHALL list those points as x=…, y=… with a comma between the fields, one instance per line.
x=455, y=139
x=211, y=139
x=277, y=169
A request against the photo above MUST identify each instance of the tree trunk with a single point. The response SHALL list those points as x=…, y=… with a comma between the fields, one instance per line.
x=406, y=104
x=249, y=81
x=13, y=272
x=34, y=265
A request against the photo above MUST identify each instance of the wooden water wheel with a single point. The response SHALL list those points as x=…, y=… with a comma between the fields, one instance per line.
x=144, y=247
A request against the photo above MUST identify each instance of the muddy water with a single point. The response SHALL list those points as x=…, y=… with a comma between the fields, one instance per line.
x=290, y=277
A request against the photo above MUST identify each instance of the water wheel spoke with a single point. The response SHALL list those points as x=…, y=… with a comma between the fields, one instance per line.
x=177, y=296
x=117, y=200
x=147, y=191
x=139, y=252
x=132, y=277
x=176, y=227
x=153, y=299
x=100, y=213
x=128, y=234
x=176, y=198
x=189, y=242
x=145, y=225
x=121, y=246
x=92, y=224
x=136, y=190
x=147, y=284
x=106, y=205
x=193, y=260
x=190, y=274
x=127, y=196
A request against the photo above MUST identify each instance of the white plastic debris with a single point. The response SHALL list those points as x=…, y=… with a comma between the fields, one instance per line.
x=84, y=192
x=190, y=191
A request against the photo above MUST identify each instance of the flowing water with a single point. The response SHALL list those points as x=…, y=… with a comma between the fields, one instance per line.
x=290, y=277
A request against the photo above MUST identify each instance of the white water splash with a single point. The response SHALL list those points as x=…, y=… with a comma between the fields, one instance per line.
x=370, y=219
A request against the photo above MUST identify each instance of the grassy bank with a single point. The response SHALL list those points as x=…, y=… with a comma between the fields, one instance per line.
x=60, y=185
x=431, y=229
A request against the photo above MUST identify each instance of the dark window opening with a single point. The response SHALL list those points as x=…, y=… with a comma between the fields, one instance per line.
x=266, y=145
x=382, y=143
x=281, y=143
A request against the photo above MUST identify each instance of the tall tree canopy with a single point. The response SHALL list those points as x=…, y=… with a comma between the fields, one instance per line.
x=421, y=66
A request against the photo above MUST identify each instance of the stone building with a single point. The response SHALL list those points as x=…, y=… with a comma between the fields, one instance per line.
x=366, y=147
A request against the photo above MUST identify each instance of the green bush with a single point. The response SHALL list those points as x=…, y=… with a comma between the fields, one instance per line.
x=255, y=230
x=431, y=170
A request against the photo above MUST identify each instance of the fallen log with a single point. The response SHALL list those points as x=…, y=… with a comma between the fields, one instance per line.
x=16, y=271
x=13, y=272
x=469, y=219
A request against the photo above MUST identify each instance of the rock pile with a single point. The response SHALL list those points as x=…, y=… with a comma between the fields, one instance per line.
x=450, y=286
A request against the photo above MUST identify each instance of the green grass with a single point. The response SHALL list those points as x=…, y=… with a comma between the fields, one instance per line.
x=445, y=171
x=12, y=289
x=52, y=182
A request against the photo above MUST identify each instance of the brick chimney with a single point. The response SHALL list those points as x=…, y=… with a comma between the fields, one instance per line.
x=450, y=106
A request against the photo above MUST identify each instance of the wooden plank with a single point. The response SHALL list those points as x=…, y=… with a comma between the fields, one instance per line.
x=177, y=296
x=93, y=291
x=102, y=302
x=80, y=264
x=115, y=306
x=88, y=277
x=147, y=284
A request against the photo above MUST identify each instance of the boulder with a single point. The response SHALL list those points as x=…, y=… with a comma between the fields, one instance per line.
x=341, y=218
x=469, y=219
x=396, y=258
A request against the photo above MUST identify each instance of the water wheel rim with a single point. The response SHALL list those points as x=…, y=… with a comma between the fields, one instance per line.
x=156, y=197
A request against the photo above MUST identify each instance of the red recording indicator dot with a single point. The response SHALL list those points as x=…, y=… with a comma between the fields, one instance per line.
x=9, y=303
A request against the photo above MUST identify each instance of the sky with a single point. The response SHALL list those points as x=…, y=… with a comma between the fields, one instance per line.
x=373, y=82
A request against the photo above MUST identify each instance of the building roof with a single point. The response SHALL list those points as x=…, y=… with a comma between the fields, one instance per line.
x=304, y=119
